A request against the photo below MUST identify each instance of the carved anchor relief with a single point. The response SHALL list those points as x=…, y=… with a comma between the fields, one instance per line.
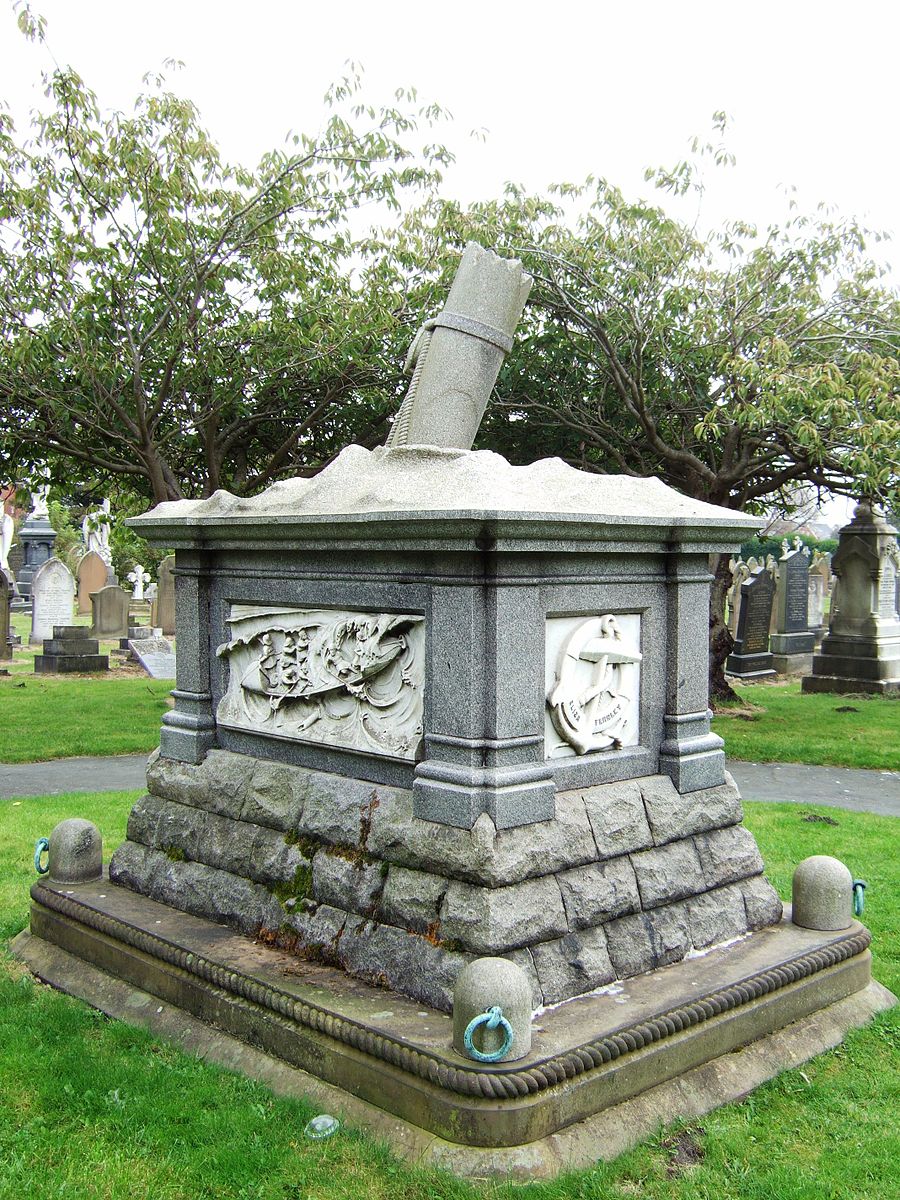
x=589, y=710
x=342, y=678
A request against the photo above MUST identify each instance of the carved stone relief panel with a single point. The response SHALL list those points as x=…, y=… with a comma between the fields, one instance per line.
x=353, y=680
x=592, y=683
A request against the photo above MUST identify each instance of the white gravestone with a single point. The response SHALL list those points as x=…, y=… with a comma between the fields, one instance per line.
x=52, y=599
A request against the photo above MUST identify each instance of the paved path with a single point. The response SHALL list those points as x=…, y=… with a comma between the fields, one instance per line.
x=837, y=787
x=116, y=774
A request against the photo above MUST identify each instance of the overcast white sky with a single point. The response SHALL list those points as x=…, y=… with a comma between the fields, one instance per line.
x=563, y=88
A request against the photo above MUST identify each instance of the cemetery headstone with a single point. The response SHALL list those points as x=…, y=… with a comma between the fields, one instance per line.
x=155, y=655
x=751, y=658
x=739, y=572
x=52, y=599
x=792, y=644
x=92, y=574
x=109, y=606
x=819, y=583
x=6, y=651
x=70, y=650
x=861, y=651
x=165, y=597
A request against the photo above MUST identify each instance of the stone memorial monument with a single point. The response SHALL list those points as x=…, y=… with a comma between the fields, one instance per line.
x=751, y=659
x=793, y=642
x=819, y=588
x=861, y=651
x=95, y=529
x=163, y=616
x=109, y=607
x=138, y=577
x=36, y=536
x=740, y=571
x=70, y=650
x=52, y=599
x=92, y=573
x=431, y=707
x=6, y=645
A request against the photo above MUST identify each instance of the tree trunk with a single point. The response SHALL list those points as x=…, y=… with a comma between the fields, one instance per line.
x=721, y=643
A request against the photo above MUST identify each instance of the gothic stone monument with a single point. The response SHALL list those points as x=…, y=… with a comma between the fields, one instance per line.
x=793, y=641
x=861, y=651
x=36, y=537
x=431, y=707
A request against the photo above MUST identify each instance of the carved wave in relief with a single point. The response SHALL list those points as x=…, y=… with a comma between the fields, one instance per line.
x=348, y=679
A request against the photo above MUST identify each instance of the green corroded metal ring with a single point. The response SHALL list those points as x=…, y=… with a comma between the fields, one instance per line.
x=859, y=897
x=41, y=847
x=492, y=1017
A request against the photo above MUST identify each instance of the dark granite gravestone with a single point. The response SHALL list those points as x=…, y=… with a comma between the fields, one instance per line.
x=750, y=658
x=861, y=651
x=5, y=598
x=793, y=642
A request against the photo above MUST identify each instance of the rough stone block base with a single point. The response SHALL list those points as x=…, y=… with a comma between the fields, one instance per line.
x=624, y=878
x=792, y=664
x=846, y=686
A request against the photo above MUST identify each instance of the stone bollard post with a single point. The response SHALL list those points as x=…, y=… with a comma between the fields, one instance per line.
x=490, y=983
x=822, y=894
x=75, y=852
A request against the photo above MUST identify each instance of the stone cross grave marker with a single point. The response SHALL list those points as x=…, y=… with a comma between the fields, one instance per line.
x=52, y=599
x=138, y=578
x=91, y=574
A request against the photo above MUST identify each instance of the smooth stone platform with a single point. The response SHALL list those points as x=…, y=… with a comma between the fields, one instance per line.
x=590, y=1057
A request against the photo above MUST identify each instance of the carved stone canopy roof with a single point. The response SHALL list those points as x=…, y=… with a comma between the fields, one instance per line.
x=421, y=491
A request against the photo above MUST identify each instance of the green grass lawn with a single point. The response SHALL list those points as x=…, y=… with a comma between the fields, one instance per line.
x=777, y=723
x=58, y=716
x=92, y=1108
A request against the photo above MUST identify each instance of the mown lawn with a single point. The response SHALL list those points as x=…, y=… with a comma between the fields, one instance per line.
x=92, y=1108
x=58, y=716
x=777, y=723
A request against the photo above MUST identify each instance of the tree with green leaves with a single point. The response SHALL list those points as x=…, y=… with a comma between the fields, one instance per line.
x=733, y=366
x=182, y=324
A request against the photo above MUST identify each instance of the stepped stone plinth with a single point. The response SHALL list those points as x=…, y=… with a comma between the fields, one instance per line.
x=68, y=651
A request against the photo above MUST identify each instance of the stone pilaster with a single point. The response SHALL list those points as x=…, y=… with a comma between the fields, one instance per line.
x=691, y=754
x=189, y=730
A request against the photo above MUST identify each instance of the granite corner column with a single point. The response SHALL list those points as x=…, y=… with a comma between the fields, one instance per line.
x=189, y=729
x=484, y=739
x=691, y=754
